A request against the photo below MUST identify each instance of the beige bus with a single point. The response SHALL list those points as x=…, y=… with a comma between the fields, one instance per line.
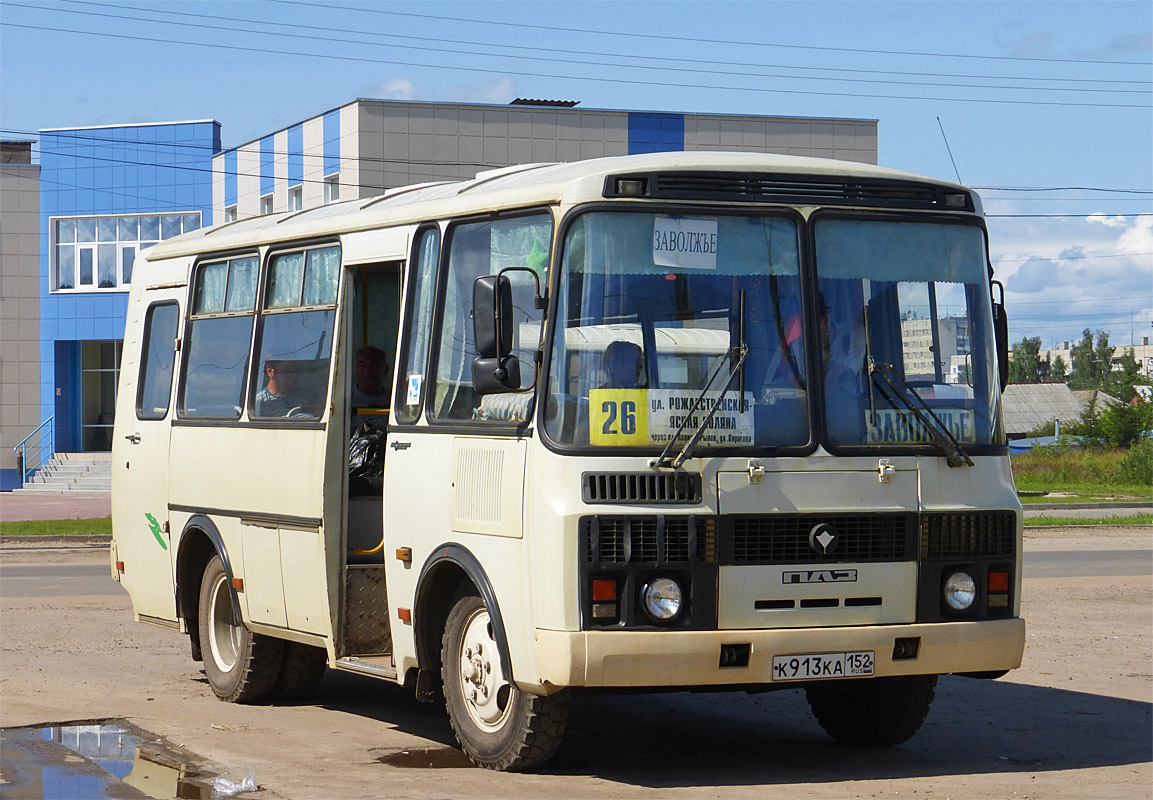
x=680, y=420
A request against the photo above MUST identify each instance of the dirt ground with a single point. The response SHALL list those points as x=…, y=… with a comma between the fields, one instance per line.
x=1075, y=721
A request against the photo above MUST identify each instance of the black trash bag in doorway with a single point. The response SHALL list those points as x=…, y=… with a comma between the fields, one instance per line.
x=366, y=456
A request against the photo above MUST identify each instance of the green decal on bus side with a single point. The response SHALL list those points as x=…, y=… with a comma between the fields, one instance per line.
x=154, y=526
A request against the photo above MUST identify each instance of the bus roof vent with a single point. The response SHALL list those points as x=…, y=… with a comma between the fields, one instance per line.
x=750, y=187
x=667, y=488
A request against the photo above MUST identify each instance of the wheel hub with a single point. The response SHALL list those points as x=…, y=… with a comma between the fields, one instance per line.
x=481, y=676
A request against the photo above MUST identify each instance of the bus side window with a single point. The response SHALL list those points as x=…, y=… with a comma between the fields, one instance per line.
x=219, y=334
x=422, y=290
x=485, y=248
x=292, y=367
x=158, y=354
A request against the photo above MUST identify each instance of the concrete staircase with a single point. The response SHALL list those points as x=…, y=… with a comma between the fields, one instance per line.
x=78, y=473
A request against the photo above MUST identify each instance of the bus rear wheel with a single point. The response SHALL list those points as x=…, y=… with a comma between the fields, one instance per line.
x=242, y=666
x=497, y=725
x=872, y=712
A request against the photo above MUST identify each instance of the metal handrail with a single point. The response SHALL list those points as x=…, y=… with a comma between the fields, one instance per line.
x=39, y=441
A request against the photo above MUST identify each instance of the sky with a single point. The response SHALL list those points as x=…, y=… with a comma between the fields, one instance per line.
x=1045, y=107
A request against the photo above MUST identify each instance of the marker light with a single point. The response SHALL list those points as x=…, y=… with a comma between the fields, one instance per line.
x=960, y=591
x=604, y=590
x=662, y=599
x=630, y=187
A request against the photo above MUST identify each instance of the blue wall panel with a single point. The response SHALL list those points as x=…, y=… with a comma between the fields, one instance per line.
x=656, y=133
x=331, y=143
x=83, y=173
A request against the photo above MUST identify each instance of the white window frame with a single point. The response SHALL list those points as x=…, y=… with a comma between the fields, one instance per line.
x=295, y=198
x=80, y=249
x=266, y=204
x=230, y=213
x=332, y=188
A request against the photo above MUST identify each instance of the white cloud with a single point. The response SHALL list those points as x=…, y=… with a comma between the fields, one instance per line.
x=397, y=89
x=1112, y=222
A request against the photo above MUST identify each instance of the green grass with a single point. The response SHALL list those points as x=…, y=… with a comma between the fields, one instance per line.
x=57, y=527
x=1093, y=475
x=1064, y=522
x=1136, y=494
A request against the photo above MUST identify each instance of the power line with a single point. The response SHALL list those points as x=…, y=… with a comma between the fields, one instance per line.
x=1070, y=216
x=1059, y=189
x=560, y=76
x=679, y=59
x=726, y=42
x=1071, y=258
x=312, y=37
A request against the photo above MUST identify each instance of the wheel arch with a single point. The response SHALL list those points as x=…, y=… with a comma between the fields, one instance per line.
x=200, y=540
x=449, y=568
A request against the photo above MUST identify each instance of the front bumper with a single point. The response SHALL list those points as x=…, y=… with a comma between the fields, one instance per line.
x=692, y=658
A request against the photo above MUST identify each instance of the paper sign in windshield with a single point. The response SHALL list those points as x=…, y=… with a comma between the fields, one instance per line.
x=634, y=417
x=685, y=242
x=904, y=427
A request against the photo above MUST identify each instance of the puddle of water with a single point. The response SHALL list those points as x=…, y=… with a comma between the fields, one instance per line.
x=428, y=758
x=112, y=759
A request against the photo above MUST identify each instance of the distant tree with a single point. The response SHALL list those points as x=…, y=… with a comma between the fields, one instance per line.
x=1058, y=370
x=1025, y=361
x=1120, y=383
x=1091, y=363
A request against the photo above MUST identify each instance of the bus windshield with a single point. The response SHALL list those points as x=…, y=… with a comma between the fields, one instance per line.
x=906, y=333
x=651, y=305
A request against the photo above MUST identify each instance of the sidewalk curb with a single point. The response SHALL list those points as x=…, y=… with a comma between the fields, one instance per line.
x=1058, y=506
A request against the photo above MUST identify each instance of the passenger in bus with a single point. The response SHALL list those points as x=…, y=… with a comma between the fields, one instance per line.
x=623, y=363
x=370, y=389
x=278, y=396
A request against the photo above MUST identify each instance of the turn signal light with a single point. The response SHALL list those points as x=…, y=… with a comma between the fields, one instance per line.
x=998, y=581
x=604, y=591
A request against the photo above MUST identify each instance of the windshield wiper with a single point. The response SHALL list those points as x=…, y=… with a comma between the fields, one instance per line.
x=955, y=455
x=741, y=351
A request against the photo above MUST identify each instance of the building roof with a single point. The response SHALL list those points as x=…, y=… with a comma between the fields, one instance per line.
x=1028, y=406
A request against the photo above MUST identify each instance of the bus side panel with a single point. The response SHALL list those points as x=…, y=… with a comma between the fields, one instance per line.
x=143, y=537
x=266, y=484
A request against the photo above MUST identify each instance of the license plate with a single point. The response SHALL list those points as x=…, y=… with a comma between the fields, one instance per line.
x=823, y=665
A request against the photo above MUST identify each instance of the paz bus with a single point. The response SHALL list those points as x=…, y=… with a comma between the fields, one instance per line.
x=670, y=421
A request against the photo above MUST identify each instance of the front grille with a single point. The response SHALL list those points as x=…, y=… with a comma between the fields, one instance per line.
x=648, y=539
x=677, y=488
x=968, y=534
x=784, y=538
x=750, y=187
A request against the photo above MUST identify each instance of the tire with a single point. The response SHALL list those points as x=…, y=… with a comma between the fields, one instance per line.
x=497, y=725
x=872, y=712
x=242, y=666
x=300, y=672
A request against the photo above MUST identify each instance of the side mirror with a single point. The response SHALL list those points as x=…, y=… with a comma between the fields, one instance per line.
x=492, y=315
x=1001, y=334
x=495, y=370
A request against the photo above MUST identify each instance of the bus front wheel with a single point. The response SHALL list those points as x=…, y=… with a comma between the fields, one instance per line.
x=497, y=725
x=872, y=712
x=242, y=666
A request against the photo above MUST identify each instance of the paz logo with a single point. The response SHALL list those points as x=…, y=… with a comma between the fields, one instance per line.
x=154, y=526
x=823, y=539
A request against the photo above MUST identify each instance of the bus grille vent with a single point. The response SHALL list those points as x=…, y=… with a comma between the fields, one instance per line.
x=968, y=534
x=784, y=538
x=670, y=488
x=649, y=539
x=751, y=187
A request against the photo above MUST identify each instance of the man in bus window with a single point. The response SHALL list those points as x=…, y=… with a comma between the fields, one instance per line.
x=370, y=389
x=278, y=397
x=623, y=363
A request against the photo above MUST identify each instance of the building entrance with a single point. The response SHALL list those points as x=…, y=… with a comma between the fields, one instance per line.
x=99, y=377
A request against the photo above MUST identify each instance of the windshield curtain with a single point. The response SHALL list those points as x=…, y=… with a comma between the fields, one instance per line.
x=651, y=305
x=912, y=299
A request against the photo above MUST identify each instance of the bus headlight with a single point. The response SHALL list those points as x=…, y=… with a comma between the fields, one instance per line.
x=661, y=598
x=960, y=591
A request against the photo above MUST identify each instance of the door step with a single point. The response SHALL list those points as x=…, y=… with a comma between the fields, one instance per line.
x=376, y=666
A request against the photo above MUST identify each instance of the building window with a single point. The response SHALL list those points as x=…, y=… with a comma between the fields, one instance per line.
x=230, y=214
x=296, y=198
x=94, y=253
x=266, y=205
x=332, y=188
